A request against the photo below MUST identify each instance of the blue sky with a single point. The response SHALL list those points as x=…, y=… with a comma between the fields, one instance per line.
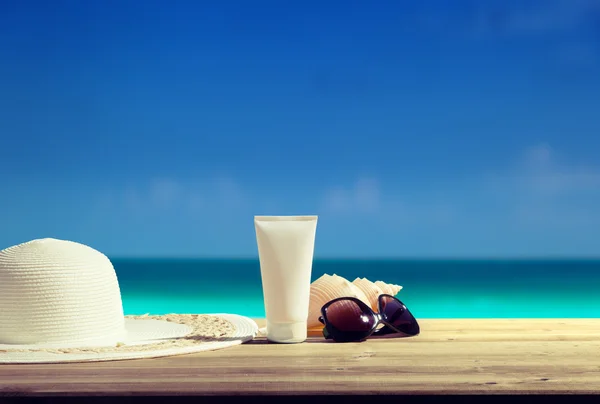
x=413, y=129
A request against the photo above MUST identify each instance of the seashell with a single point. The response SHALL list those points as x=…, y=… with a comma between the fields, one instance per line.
x=388, y=288
x=371, y=290
x=326, y=288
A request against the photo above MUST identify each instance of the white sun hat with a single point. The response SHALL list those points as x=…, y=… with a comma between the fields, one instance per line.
x=60, y=302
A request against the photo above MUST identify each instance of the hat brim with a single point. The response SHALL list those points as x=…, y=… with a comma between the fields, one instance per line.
x=140, y=331
x=141, y=340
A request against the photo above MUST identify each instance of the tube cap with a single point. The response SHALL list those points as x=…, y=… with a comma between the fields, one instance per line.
x=287, y=333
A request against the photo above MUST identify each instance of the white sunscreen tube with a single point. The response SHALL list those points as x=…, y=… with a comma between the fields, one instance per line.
x=285, y=250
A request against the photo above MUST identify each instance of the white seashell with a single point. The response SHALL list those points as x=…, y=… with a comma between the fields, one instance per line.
x=326, y=288
x=388, y=288
x=370, y=289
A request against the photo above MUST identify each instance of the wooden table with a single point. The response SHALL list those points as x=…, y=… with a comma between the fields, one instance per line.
x=450, y=356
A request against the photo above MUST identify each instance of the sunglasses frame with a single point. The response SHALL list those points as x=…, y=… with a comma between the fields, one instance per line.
x=330, y=332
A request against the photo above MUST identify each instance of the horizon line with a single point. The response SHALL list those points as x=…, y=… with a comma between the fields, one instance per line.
x=369, y=258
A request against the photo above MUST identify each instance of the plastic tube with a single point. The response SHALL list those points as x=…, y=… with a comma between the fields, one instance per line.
x=285, y=250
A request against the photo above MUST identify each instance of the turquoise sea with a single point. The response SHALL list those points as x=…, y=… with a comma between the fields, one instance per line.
x=432, y=288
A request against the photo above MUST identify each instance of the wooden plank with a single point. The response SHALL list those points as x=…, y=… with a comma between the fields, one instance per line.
x=450, y=356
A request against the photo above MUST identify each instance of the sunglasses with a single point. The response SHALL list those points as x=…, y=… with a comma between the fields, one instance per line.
x=348, y=319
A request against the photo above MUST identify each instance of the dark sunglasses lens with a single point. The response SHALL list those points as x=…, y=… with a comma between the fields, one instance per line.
x=348, y=316
x=398, y=315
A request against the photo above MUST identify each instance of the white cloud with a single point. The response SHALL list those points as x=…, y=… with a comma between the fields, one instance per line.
x=544, y=192
x=169, y=195
x=367, y=194
x=229, y=193
x=543, y=172
x=540, y=190
x=569, y=27
x=364, y=196
x=540, y=204
x=164, y=192
x=502, y=18
x=541, y=193
x=537, y=18
x=397, y=207
x=550, y=19
x=538, y=156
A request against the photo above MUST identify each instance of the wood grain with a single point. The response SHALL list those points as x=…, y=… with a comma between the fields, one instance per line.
x=450, y=356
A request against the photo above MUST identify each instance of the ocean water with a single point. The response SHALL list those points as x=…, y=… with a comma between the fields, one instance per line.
x=431, y=288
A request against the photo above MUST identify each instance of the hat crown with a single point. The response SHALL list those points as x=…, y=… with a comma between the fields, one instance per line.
x=58, y=291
